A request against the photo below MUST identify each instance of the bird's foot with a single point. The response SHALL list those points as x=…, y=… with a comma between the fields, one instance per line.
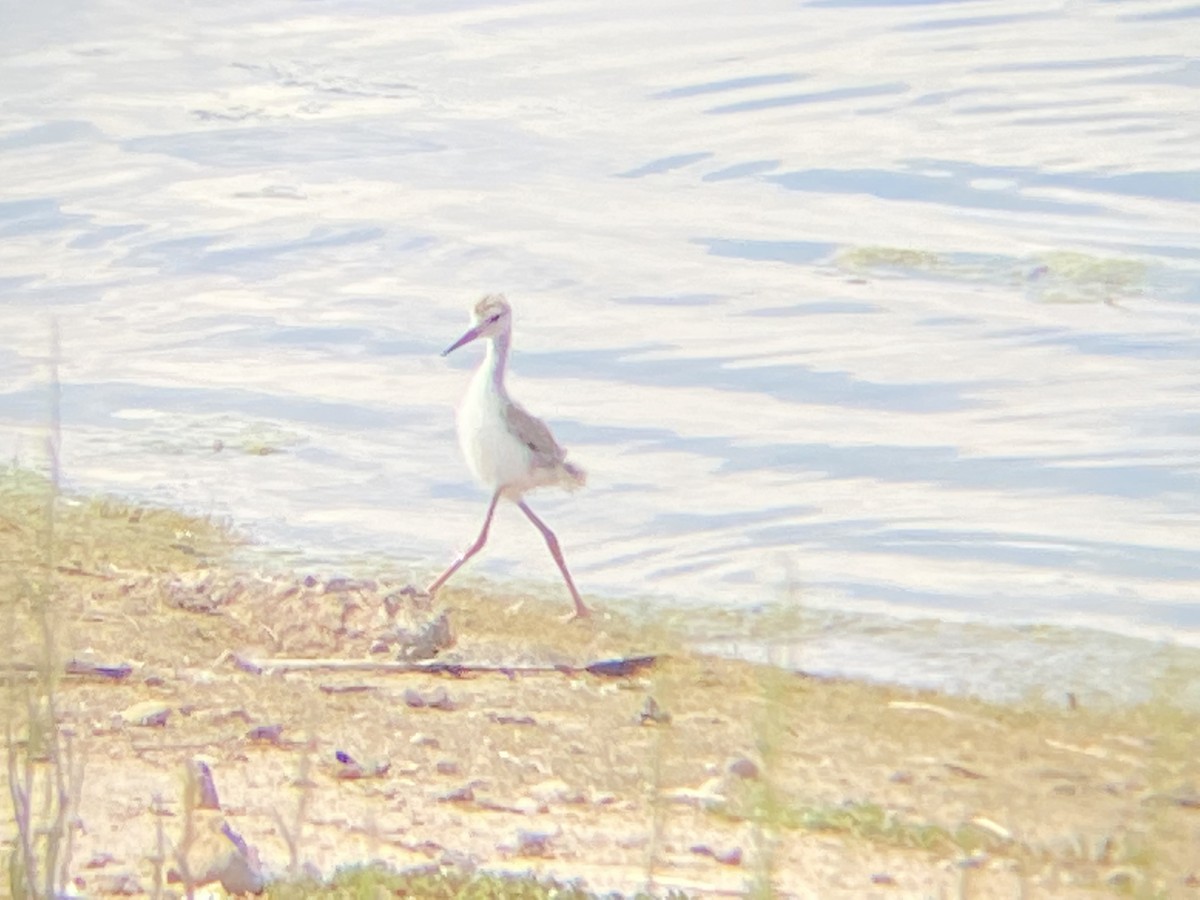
x=581, y=612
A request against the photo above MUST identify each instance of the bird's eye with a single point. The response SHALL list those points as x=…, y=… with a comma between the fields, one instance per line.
x=494, y=318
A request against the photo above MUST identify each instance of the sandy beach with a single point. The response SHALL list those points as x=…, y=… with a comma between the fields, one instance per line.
x=603, y=752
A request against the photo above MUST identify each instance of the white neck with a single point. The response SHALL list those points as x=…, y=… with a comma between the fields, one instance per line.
x=495, y=362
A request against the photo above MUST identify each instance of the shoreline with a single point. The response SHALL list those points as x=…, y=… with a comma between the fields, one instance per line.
x=698, y=773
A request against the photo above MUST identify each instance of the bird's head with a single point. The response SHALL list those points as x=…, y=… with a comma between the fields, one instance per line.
x=490, y=316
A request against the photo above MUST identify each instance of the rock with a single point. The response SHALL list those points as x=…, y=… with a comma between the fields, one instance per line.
x=464, y=794
x=507, y=719
x=743, y=767
x=350, y=769
x=707, y=794
x=731, y=856
x=438, y=698
x=265, y=734
x=555, y=791
x=216, y=852
x=147, y=714
x=534, y=843
x=116, y=884
x=653, y=714
x=421, y=739
x=527, y=806
x=448, y=767
x=1123, y=878
x=424, y=641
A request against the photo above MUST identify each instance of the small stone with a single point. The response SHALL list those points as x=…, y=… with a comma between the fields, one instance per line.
x=706, y=795
x=424, y=641
x=117, y=884
x=653, y=714
x=464, y=794
x=448, y=767
x=743, y=767
x=421, y=739
x=350, y=769
x=882, y=878
x=436, y=699
x=901, y=777
x=506, y=719
x=527, y=806
x=1121, y=877
x=148, y=714
x=731, y=856
x=266, y=734
x=534, y=843
x=246, y=664
x=555, y=791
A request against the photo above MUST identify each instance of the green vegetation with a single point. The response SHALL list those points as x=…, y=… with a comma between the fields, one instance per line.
x=435, y=883
x=1057, y=276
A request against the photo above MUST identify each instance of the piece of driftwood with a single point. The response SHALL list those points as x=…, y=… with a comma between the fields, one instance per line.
x=76, y=667
x=116, y=672
x=605, y=668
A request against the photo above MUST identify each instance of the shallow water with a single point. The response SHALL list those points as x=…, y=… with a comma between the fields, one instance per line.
x=882, y=308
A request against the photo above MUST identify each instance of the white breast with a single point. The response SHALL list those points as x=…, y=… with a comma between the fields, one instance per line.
x=497, y=458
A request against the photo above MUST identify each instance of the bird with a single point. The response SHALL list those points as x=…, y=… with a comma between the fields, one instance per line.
x=508, y=449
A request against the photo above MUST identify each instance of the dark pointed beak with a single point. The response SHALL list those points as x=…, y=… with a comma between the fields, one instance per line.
x=465, y=339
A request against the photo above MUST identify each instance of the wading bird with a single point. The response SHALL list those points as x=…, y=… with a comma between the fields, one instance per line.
x=508, y=450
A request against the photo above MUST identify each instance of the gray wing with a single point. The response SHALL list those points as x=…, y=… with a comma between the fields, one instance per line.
x=534, y=434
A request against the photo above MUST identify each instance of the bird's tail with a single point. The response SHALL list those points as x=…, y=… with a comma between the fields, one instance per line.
x=573, y=476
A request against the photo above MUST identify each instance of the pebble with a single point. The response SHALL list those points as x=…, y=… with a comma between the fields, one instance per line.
x=743, y=767
x=731, y=856
x=534, y=843
x=435, y=699
x=653, y=714
x=267, y=734
x=527, y=806
x=556, y=790
x=119, y=884
x=464, y=794
x=148, y=714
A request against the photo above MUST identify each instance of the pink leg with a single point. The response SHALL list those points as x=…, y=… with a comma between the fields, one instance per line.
x=581, y=611
x=470, y=551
